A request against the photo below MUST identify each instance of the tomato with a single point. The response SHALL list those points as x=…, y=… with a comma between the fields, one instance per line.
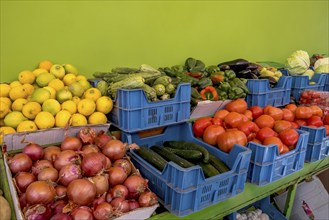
x=265, y=121
x=300, y=122
x=226, y=140
x=291, y=107
x=274, y=112
x=200, y=125
x=303, y=112
x=274, y=140
x=315, y=121
x=288, y=115
x=238, y=105
x=248, y=128
x=316, y=110
x=326, y=119
x=327, y=129
x=211, y=133
x=221, y=114
x=232, y=120
x=264, y=133
x=256, y=111
x=217, y=121
x=256, y=141
x=289, y=136
x=248, y=114
x=281, y=125
x=294, y=125
x=285, y=149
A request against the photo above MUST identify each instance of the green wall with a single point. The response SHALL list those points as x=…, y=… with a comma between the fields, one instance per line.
x=100, y=35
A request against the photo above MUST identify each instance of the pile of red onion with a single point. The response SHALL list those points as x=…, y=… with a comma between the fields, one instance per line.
x=87, y=177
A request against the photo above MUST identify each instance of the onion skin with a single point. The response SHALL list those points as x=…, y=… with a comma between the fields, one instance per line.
x=125, y=164
x=102, y=184
x=81, y=192
x=20, y=163
x=22, y=200
x=60, y=191
x=48, y=174
x=37, y=212
x=119, y=191
x=51, y=152
x=57, y=207
x=71, y=143
x=120, y=205
x=68, y=173
x=103, y=211
x=133, y=204
x=34, y=151
x=114, y=149
x=116, y=176
x=40, y=192
x=101, y=139
x=87, y=135
x=39, y=165
x=89, y=149
x=147, y=199
x=93, y=163
x=136, y=186
x=23, y=180
x=82, y=213
x=61, y=216
x=66, y=157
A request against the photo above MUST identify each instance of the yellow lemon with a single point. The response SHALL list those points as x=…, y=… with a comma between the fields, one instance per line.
x=5, y=130
x=4, y=90
x=45, y=64
x=92, y=93
x=35, y=85
x=18, y=104
x=44, y=78
x=28, y=88
x=6, y=100
x=62, y=118
x=86, y=107
x=38, y=71
x=31, y=109
x=57, y=70
x=85, y=84
x=97, y=118
x=40, y=95
x=69, y=68
x=13, y=119
x=52, y=106
x=104, y=104
x=26, y=76
x=44, y=120
x=78, y=120
x=69, y=106
x=81, y=77
x=63, y=95
x=17, y=92
x=69, y=78
x=76, y=99
x=52, y=91
x=76, y=89
x=57, y=84
x=4, y=109
x=25, y=126
x=14, y=84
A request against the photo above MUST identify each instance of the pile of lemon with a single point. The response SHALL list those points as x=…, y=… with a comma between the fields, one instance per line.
x=53, y=95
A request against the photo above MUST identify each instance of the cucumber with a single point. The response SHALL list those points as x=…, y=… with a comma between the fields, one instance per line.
x=186, y=154
x=152, y=157
x=130, y=82
x=164, y=80
x=150, y=92
x=218, y=164
x=184, y=145
x=172, y=157
x=208, y=169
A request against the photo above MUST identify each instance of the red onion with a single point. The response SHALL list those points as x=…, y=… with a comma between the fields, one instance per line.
x=103, y=211
x=39, y=165
x=34, y=151
x=48, y=174
x=114, y=149
x=108, y=164
x=109, y=197
x=37, y=212
x=136, y=185
x=101, y=183
x=87, y=135
x=60, y=192
x=82, y=213
x=120, y=205
x=116, y=176
x=119, y=191
x=133, y=204
x=40, y=192
x=68, y=173
x=89, y=149
x=23, y=180
x=61, y=216
x=66, y=157
x=123, y=163
x=58, y=206
x=147, y=199
x=93, y=164
x=99, y=200
x=20, y=162
x=51, y=152
x=101, y=139
x=81, y=192
x=71, y=143
x=22, y=200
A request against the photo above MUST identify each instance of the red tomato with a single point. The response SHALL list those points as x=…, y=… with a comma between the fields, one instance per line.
x=316, y=110
x=232, y=120
x=288, y=115
x=264, y=133
x=221, y=114
x=238, y=105
x=228, y=139
x=285, y=149
x=303, y=112
x=289, y=137
x=291, y=107
x=327, y=129
x=248, y=113
x=265, y=121
x=294, y=125
x=248, y=127
x=315, y=121
x=281, y=125
x=300, y=122
x=274, y=140
x=256, y=111
x=326, y=119
x=200, y=125
x=276, y=113
x=256, y=141
x=217, y=121
x=211, y=133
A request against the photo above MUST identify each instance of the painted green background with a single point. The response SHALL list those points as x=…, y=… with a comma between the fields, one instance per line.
x=100, y=35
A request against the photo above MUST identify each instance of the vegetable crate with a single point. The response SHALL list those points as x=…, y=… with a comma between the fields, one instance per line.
x=326, y=84
x=133, y=112
x=266, y=207
x=261, y=94
x=185, y=190
x=318, y=144
x=267, y=165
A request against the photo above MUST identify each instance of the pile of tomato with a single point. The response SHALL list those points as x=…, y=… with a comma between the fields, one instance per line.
x=314, y=97
x=238, y=124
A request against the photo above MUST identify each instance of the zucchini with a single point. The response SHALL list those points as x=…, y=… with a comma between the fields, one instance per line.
x=152, y=157
x=171, y=156
x=186, y=154
x=131, y=82
x=170, y=88
x=184, y=145
x=164, y=80
x=124, y=70
x=218, y=164
x=165, y=96
x=160, y=89
x=208, y=169
x=150, y=92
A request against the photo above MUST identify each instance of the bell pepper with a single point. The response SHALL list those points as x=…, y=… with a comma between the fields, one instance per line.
x=212, y=69
x=222, y=95
x=230, y=74
x=204, y=82
x=217, y=77
x=224, y=86
x=195, y=94
x=196, y=75
x=209, y=93
x=200, y=125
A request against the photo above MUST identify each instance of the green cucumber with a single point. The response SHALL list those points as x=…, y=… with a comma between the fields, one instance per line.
x=218, y=164
x=152, y=157
x=208, y=169
x=172, y=157
x=186, y=154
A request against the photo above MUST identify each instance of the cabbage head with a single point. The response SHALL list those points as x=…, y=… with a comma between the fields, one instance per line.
x=322, y=69
x=322, y=65
x=298, y=62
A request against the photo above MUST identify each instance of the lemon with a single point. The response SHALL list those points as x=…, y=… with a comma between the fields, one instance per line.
x=104, y=104
x=17, y=92
x=97, y=118
x=14, y=84
x=76, y=99
x=69, y=78
x=45, y=64
x=57, y=70
x=35, y=85
x=31, y=109
x=28, y=88
x=4, y=90
x=25, y=126
x=5, y=130
x=14, y=118
x=18, y=104
x=44, y=78
x=76, y=89
x=26, y=76
x=69, y=68
x=57, y=84
x=84, y=83
x=40, y=95
x=92, y=93
x=69, y=106
x=38, y=71
x=52, y=91
x=86, y=107
x=6, y=100
x=62, y=118
x=81, y=77
x=44, y=120
x=52, y=106
x=4, y=109
x=78, y=120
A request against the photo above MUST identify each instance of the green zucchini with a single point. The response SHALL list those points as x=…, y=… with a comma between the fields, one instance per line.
x=152, y=157
x=184, y=145
x=131, y=82
x=218, y=164
x=150, y=92
x=208, y=169
x=186, y=154
x=172, y=157
x=164, y=80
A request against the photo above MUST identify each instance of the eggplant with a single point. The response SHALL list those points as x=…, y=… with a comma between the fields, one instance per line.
x=236, y=65
x=224, y=67
x=246, y=74
x=252, y=66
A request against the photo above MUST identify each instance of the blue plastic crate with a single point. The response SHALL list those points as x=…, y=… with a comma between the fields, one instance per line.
x=266, y=207
x=94, y=82
x=326, y=84
x=133, y=112
x=318, y=144
x=261, y=94
x=186, y=190
x=267, y=165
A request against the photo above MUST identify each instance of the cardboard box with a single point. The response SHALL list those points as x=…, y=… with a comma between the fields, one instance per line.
x=207, y=108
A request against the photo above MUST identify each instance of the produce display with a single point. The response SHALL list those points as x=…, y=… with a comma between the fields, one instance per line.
x=5, y=208
x=252, y=215
x=314, y=97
